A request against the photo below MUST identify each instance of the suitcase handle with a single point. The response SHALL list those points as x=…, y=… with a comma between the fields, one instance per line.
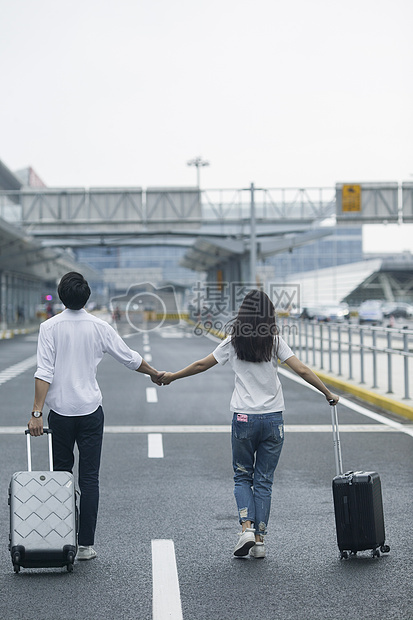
x=336, y=439
x=48, y=432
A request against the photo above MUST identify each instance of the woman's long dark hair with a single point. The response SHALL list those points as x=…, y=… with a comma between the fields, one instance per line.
x=254, y=330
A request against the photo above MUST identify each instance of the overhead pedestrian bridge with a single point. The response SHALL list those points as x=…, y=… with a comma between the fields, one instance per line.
x=95, y=212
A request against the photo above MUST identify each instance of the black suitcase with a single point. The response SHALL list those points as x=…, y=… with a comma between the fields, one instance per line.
x=358, y=506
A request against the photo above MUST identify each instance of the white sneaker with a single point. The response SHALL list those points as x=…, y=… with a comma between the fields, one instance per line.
x=86, y=553
x=246, y=541
x=258, y=550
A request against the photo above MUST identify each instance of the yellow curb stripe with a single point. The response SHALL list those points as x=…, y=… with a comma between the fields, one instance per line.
x=384, y=402
x=7, y=334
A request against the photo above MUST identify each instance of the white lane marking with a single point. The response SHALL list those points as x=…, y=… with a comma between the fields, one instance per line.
x=225, y=428
x=17, y=369
x=151, y=395
x=146, y=348
x=172, y=334
x=32, y=338
x=155, y=446
x=166, y=597
x=145, y=338
x=403, y=428
x=397, y=426
x=148, y=357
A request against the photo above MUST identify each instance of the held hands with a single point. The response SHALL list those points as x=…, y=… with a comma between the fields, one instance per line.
x=167, y=378
x=158, y=377
x=161, y=377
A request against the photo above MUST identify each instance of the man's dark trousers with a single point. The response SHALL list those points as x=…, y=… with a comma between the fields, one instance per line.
x=87, y=432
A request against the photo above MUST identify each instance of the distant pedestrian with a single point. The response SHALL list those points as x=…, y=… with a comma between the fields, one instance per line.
x=116, y=314
x=257, y=404
x=49, y=311
x=20, y=315
x=70, y=347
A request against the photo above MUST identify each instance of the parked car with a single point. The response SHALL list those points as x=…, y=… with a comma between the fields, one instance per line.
x=399, y=310
x=371, y=312
x=335, y=314
x=308, y=313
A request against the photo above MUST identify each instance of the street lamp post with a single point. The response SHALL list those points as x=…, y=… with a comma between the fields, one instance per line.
x=198, y=162
x=253, y=239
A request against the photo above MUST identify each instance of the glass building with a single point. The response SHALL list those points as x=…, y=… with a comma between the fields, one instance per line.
x=161, y=260
x=344, y=246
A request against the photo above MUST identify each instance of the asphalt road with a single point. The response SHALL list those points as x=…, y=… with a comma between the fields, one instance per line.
x=187, y=497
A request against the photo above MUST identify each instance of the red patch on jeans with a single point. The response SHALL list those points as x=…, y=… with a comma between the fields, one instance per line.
x=242, y=417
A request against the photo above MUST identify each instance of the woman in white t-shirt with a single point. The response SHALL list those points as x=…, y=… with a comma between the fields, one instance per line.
x=253, y=348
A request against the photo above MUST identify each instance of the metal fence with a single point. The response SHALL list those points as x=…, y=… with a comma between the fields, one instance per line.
x=371, y=355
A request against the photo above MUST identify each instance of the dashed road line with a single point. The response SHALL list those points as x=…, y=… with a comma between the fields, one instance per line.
x=151, y=395
x=175, y=334
x=166, y=597
x=155, y=446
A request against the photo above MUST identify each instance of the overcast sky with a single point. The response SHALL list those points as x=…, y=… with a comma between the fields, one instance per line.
x=275, y=92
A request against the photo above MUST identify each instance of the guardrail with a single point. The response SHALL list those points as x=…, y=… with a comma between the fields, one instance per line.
x=364, y=353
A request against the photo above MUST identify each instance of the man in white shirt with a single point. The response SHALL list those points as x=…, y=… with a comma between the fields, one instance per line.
x=70, y=347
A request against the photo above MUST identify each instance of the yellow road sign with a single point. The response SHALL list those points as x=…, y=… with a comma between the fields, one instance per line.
x=351, y=198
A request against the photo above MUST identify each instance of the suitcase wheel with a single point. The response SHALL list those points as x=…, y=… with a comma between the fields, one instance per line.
x=375, y=553
x=71, y=561
x=16, y=560
x=343, y=555
x=385, y=548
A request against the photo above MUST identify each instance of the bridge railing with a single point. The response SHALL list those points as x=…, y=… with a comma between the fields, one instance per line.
x=48, y=206
x=193, y=206
x=375, y=356
x=274, y=204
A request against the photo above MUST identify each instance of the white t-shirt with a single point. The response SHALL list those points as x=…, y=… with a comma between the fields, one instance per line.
x=70, y=347
x=257, y=386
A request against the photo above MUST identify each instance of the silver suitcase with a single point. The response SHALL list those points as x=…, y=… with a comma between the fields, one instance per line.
x=43, y=516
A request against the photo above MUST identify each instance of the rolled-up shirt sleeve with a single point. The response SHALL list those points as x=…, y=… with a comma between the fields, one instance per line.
x=45, y=356
x=119, y=350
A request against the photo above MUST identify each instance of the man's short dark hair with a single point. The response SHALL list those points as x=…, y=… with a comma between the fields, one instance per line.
x=73, y=290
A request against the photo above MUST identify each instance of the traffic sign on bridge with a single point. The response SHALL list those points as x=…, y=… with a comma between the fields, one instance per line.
x=351, y=198
x=367, y=203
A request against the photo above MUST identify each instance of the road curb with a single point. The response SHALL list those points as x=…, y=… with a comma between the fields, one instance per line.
x=384, y=402
x=7, y=334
